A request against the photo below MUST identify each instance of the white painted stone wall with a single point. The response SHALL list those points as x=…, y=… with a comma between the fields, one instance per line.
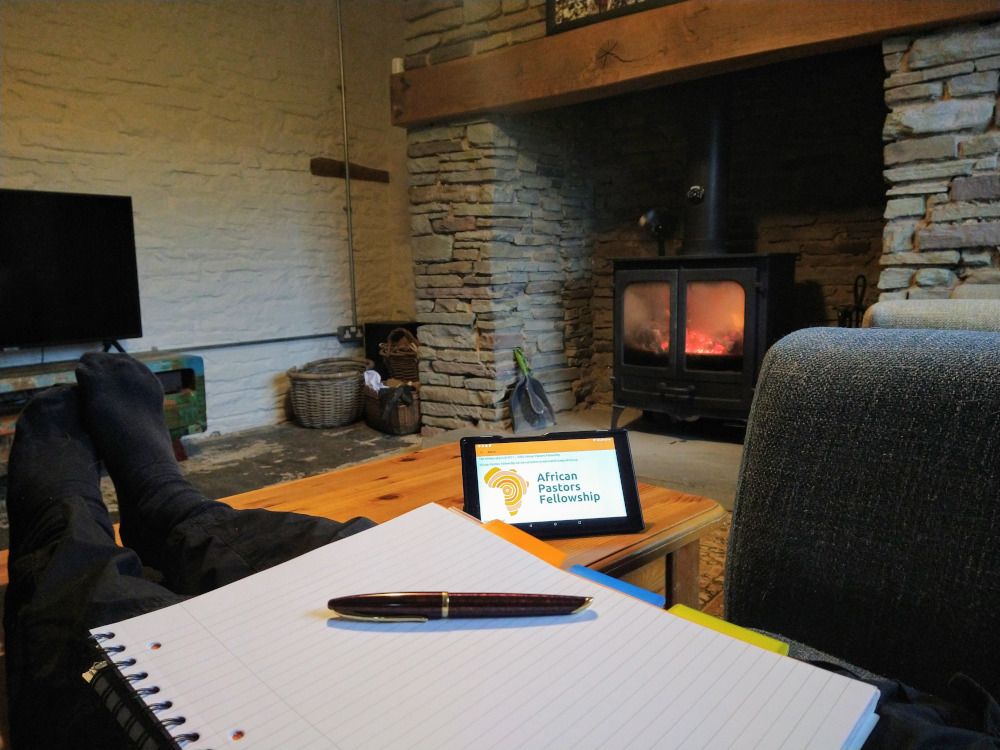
x=207, y=114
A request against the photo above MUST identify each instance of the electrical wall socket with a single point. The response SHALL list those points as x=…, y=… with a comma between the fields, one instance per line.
x=350, y=334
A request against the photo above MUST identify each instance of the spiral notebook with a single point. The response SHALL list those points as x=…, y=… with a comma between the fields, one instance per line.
x=258, y=663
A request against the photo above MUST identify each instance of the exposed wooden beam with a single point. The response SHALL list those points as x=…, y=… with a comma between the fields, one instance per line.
x=677, y=42
x=324, y=167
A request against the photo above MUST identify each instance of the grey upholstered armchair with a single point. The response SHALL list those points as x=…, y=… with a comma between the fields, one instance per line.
x=867, y=517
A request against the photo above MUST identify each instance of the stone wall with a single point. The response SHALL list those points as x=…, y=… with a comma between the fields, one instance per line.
x=442, y=30
x=942, y=231
x=498, y=218
x=207, y=114
x=501, y=215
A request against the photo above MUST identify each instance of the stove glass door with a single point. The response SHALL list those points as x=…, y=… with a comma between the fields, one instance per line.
x=714, y=324
x=646, y=323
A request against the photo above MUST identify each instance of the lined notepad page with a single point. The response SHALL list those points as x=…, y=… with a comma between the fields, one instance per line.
x=261, y=657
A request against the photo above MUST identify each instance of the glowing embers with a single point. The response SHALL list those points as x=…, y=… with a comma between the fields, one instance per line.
x=713, y=324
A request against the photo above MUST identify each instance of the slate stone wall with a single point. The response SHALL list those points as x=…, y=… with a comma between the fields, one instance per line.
x=499, y=218
x=942, y=214
x=442, y=30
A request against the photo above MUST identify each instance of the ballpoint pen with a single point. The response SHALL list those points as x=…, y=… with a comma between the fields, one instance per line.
x=420, y=606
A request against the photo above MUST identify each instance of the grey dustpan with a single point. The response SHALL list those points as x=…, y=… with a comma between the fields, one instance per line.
x=529, y=406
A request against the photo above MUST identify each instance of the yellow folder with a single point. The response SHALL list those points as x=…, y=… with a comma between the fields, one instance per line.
x=750, y=636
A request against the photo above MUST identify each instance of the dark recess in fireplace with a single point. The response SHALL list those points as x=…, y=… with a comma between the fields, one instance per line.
x=691, y=330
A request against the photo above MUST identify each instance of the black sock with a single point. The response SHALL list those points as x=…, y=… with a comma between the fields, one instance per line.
x=123, y=408
x=52, y=459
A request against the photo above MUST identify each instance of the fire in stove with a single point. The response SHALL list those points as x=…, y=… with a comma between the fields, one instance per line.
x=714, y=318
x=713, y=321
x=696, y=342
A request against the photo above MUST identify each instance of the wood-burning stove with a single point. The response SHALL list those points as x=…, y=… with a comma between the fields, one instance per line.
x=691, y=330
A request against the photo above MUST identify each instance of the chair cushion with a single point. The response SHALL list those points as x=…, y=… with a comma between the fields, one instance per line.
x=958, y=314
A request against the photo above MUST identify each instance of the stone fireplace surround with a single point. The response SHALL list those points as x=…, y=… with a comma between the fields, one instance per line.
x=516, y=218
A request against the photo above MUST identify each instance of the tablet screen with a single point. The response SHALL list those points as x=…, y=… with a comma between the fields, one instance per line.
x=562, y=485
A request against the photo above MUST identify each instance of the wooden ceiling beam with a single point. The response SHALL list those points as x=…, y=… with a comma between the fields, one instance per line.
x=690, y=39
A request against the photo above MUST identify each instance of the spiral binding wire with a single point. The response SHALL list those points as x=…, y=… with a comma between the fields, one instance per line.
x=129, y=723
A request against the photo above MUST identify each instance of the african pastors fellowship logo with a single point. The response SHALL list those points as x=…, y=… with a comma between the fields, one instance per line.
x=512, y=484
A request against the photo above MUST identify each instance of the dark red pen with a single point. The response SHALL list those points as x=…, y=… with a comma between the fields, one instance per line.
x=419, y=606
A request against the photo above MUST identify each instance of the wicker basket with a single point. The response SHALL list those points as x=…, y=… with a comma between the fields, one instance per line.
x=401, y=353
x=328, y=392
x=396, y=419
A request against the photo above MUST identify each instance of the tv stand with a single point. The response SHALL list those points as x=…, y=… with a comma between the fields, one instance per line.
x=181, y=375
x=113, y=343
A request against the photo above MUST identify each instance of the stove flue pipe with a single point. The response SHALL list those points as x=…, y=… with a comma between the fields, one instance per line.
x=707, y=172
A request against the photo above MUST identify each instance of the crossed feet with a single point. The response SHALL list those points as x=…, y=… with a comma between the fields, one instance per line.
x=114, y=414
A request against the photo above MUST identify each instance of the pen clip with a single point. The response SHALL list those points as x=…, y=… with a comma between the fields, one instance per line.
x=376, y=618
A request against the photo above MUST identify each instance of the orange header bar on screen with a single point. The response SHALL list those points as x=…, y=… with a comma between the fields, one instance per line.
x=532, y=447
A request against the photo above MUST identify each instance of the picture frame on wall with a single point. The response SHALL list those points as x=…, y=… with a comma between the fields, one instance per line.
x=563, y=15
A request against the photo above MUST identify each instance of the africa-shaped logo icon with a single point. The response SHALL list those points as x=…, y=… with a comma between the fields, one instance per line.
x=511, y=484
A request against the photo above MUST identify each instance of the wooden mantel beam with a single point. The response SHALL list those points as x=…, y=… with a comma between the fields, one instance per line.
x=678, y=42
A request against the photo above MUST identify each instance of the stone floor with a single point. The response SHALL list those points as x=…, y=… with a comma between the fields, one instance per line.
x=239, y=462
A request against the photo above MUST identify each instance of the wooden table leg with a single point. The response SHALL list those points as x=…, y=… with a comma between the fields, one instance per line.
x=682, y=576
x=676, y=578
x=648, y=577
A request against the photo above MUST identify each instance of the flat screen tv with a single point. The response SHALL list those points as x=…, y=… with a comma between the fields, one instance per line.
x=67, y=269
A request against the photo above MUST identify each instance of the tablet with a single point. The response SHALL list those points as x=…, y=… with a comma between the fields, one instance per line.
x=556, y=485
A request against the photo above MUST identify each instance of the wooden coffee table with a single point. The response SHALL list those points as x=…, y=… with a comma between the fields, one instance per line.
x=663, y=558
